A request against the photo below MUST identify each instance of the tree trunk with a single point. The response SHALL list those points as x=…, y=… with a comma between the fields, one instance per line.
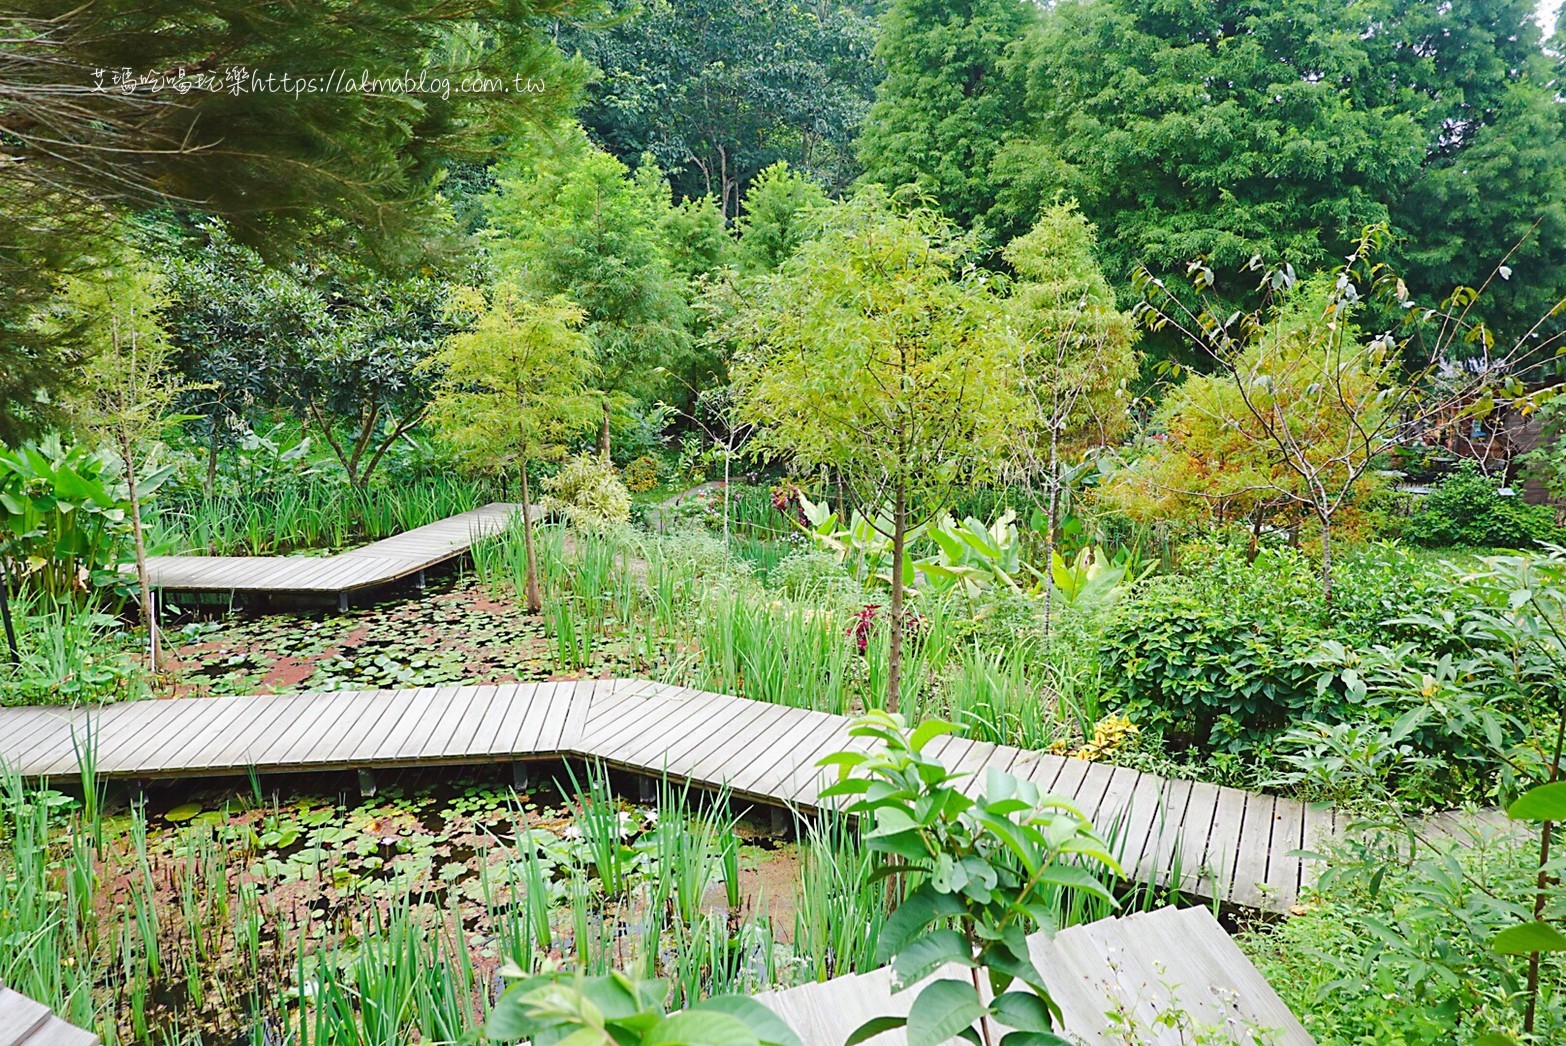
x=212, y=460
x=149, y=615
x=1256, y=525
x=1051, y=513
x=1326, y=559
x=535, y=598
x=894, y=656
x=603, y=432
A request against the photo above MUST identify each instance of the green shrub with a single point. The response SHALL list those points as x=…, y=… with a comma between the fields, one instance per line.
x=588, y=492
x=641, y=475
x=1216, y=654
x=1467, y=508
x=809, y=573
x=1396, y=952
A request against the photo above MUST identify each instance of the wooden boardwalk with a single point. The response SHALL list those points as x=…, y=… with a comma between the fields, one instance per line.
x=1229, y=845
x=406, y=555
x=24, y=1022
x=1144, y=968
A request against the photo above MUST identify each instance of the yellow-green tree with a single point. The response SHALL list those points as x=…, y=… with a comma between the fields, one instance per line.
x=1078, y=354
x=1299, y=407
x=513, y=389
x=877, y=352
x=129, y=386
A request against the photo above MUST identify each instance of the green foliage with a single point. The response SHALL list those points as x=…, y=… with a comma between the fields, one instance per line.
x=1226, y=130
x=1216, y=655
x=941, y=112
x=64, y=519
x=566, y=219
x=589, y=492
x=1396, y=950
x=641, y=475
x=716, y=92
x=981, y=870
x=512, y=386
x=1467, y=508
x=783, y=209
x=570, y=1007
x=271, y=154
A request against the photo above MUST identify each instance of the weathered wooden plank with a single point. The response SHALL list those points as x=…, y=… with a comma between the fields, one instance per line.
x=1283, y=861
x=1220, y=854
x=454, y=704
x=1250, y=855
x=759, y=775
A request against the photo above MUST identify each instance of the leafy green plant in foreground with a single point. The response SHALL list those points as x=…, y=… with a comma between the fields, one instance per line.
x=613, y=1010
x=984, y=870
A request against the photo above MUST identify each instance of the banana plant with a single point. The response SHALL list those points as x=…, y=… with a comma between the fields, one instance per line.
x=864, y=546
x=1092, y=579
x=978, y=557
x=64, y=517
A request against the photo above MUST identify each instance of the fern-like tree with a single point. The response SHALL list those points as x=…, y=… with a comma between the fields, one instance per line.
x=129, y=387
x=1078, y=354
x=877, y=352
x=513, y=389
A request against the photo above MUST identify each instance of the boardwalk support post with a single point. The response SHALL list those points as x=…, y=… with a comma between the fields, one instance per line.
x=520, y=776
x=782, y=821
x=367, y=783
x=420, y=581
x=342, y=602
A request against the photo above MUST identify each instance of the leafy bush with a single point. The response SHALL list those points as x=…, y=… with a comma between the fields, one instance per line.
x=1466, y=508
x=1396, y=952
x=641, y=475
x=65, y=519
x=1216, y=655
x=588, y=492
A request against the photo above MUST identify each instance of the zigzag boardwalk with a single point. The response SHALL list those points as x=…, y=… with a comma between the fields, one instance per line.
x=379, y=563
x=1229, y=845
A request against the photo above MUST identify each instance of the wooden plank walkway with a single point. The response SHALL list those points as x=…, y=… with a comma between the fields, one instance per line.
x=1225, y=844
x=1115, y=980
x=378, y=563
x=24, y=1022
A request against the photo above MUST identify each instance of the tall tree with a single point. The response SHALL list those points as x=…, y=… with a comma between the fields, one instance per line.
x=1227, y=129
x=1078, y=353
x=715, y=91
x=946, y=104
x=129, y=388
x=875, y=351
x=513, y=390
x=260, y=113
x=783, y=208
x=567, y=219
x=1322, y=399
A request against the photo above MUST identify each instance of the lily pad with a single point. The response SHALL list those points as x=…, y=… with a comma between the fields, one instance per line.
x=183, y=812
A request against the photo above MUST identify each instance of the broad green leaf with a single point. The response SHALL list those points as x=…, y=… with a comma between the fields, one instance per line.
x=1545, y=803
x=1023, y=1011
x=1529, y=938
x=909, y=919
x=772, y=1029
x=928, y=731
x=924, y=955
x=943, y=1009
x=701, y=1028
x=1033, y=1038
x=873, y=1027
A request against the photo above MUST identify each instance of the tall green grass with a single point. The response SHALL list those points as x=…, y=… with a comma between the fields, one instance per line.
x=311, y=514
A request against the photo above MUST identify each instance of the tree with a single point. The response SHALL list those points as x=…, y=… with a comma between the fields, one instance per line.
x=1078, y=353
x=782, y=210
x=942, y=111
x=874, y=351
x=230, y=316
x=238, y=112
x=1321, y=399
x=1225, y=129
x=129, y=388
x=567, y=220
x=717, y=91
x=512, y=389
x=363, y=367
